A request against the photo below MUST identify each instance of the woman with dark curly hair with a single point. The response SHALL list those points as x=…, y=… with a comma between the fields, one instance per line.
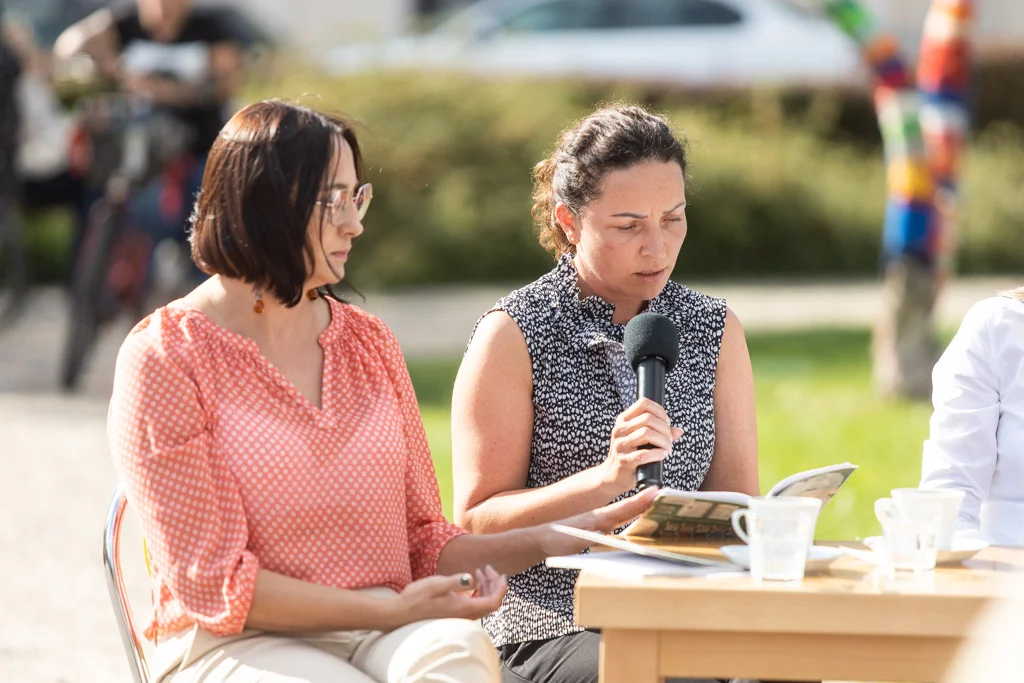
x=545, y=417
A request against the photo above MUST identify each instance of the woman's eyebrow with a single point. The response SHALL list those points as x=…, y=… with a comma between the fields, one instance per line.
x=338, y=186
x=637, y=215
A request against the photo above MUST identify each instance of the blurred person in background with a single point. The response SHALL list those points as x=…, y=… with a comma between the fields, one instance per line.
x=42, y=159
x=976, y=439
x=10, y=68
x=269, y=438
x=545, y=417
x=184, y=60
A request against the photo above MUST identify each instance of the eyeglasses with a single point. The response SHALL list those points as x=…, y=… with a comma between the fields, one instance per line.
x=338, y=200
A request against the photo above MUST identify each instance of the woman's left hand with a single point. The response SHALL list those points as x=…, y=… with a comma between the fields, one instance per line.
x=461, y=596
x=604, y=520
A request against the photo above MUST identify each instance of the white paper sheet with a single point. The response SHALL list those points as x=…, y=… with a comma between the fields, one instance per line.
x=624, y=565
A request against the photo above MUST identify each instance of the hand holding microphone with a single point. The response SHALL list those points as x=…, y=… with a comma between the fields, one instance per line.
x=652, y=349
x=642, y=436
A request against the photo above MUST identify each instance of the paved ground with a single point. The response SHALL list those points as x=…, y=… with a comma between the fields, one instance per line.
x=439, y=321
x=55, y=474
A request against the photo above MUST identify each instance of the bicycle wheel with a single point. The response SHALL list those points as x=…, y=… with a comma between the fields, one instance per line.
x=13, y=266
x=92, y=302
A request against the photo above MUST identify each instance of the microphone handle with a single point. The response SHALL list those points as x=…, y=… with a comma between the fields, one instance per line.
x=651, y=384
x=650, y=375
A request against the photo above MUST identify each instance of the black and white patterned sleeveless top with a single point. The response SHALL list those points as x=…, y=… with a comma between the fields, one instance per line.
x=581, y=382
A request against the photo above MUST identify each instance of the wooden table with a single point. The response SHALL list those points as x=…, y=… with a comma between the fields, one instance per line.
x=851, y=623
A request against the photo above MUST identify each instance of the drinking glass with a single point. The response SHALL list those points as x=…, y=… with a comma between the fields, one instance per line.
x=779, y=531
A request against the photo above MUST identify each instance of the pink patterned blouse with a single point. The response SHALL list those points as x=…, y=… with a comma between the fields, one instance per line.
x=232, y=469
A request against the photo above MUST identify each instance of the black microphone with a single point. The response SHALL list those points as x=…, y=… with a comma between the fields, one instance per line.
x=652, y=348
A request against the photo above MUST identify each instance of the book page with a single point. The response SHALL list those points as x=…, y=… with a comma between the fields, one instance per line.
x=689, y=514
x=620, y=543
x=821, y=483
x=624, y=565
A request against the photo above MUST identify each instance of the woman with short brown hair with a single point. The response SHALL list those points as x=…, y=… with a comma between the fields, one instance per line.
x=270, y=440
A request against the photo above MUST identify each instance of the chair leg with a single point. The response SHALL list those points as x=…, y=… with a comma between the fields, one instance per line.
x=116, y=587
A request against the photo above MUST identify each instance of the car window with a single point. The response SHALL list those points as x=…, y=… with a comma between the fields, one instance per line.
x=562, y=15
x=708, y=13
x=589, y=15
x=665, y=13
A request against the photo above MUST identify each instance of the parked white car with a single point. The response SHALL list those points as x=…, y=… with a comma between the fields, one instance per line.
x=697, y=43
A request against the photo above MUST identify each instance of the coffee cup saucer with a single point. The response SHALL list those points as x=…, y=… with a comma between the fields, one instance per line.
x=964, y=548
x=819, y=557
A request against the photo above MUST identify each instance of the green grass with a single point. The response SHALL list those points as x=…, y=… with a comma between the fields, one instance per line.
x=815, y=407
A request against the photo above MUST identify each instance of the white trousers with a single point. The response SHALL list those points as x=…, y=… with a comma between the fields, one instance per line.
x=433, y=651
x=436, y=651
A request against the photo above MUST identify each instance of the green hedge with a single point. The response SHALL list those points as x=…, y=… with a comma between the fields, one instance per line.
x=772, y=193
x=774, y=189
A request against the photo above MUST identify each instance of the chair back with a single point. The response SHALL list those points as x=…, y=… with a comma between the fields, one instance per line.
x=115, y=584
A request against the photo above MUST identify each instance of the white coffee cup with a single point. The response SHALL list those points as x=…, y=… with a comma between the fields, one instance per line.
x=916, y=503
x=779, y=531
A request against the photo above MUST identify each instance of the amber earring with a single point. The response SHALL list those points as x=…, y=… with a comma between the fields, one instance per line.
x=312, y=294
x=257, y=302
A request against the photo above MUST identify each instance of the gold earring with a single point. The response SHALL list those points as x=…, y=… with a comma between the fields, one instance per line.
x=257, y=302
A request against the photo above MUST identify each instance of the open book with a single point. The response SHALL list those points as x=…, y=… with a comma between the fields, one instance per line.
x=707, y=514
x=628, y=565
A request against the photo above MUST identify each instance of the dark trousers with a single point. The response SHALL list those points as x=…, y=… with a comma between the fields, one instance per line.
x=567, y=659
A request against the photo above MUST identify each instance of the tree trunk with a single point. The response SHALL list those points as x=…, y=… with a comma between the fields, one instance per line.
x=924, y=128
x=905, y=346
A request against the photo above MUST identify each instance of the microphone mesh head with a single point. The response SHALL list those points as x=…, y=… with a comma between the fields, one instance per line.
x=651, y=335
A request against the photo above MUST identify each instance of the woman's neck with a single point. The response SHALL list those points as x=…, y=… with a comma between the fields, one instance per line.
x=625, y=308
x=231, y=304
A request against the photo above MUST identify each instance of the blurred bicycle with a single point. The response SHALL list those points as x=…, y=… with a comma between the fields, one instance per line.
x=175, y=67
x=122, y=144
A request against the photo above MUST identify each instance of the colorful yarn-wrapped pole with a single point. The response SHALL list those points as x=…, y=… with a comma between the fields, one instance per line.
x=924, y=127
x=942, y=81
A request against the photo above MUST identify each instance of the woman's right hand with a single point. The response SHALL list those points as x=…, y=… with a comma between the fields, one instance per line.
x=443, y=597
x=643, y=423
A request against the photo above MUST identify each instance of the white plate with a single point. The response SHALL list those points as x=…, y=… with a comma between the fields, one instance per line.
x=818, y=556
x=963, y=549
